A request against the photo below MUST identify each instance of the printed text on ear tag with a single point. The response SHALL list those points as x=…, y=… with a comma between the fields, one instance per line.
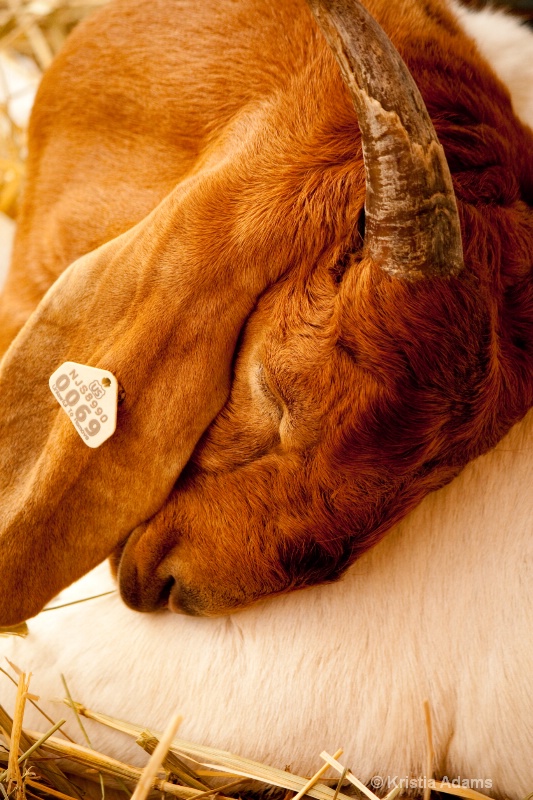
x=89, y=397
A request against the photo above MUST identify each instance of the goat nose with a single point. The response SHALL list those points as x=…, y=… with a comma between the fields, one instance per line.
x=157, y=593
x=150, y=578
x=145, y=594
x=144, y=582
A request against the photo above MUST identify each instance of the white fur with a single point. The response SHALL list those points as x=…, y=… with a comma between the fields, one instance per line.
x=507, y=45
x=441, y=609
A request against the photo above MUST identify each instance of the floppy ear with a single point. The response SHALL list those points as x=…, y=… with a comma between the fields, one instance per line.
x=157, y=308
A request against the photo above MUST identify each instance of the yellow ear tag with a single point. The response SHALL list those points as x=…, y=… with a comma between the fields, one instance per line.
x=89, y=397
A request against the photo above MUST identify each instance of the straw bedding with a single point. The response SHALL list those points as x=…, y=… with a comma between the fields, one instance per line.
x=31, y=33
x=50, y=764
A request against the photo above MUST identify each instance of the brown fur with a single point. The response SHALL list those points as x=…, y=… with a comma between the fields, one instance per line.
x=352, y=394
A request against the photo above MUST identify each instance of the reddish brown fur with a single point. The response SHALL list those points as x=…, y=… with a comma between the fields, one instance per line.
x=374, y=390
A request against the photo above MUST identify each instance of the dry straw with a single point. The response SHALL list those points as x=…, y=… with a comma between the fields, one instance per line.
x=40, y=765
x=156, y=759
x=31, y=33
x=53, y=766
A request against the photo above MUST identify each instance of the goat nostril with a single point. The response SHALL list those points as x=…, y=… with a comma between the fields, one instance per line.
x=185, y=600
x=164, y=594
x=141, y=592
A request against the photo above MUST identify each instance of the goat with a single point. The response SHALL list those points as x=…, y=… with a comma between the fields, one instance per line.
x=264, y=248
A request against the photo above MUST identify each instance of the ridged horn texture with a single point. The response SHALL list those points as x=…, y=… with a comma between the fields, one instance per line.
x=412, y=226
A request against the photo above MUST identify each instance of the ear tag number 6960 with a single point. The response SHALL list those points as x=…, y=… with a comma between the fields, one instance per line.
x=89, y=397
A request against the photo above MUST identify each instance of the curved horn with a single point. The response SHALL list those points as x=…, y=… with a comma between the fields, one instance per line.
x=412, y=225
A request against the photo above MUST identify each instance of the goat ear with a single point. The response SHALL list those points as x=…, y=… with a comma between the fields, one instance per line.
x=142, y=310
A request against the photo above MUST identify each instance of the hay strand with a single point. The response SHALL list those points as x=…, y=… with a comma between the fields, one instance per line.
x=151, y=769
x=316, y=777
x=82, y=727
x=219, y=789
x=77, y=602
x=348, y=775
x=70, y=702
x=14, y=778
x=48, y=790
x=32, y=700
x=31, y=750
x=340, y=783
x=174, y=765
x=393, y=793
x=430, y=757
